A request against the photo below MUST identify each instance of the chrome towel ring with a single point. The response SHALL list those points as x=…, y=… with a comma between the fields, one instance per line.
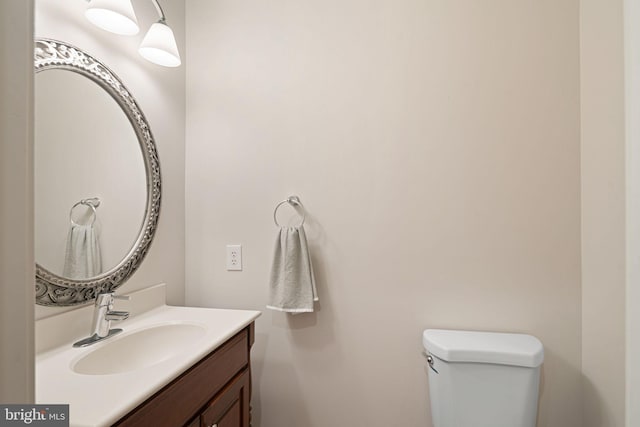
x=293, y=201
x=91, y=203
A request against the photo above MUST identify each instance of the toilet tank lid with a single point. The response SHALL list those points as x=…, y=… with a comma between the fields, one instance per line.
x=484, y=347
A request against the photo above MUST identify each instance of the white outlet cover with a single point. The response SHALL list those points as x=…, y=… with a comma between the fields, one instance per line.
x=234, y=257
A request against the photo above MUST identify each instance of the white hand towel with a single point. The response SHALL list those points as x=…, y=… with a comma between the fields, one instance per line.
x=292, y=285
x=82, y=258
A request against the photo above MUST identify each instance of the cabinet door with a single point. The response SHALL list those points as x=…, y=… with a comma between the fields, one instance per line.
x=230, y=408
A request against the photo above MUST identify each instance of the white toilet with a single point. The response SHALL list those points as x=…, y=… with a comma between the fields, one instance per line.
x=483, y=379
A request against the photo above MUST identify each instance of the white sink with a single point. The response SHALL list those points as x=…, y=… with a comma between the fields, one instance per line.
x=104, y=381
x=138, y=349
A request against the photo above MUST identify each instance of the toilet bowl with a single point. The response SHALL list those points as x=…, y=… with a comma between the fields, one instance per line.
x=483, y=379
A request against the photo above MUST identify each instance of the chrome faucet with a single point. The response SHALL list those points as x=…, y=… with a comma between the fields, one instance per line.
x=103, y=314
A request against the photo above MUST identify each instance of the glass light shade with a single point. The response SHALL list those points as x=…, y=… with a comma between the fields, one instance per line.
x=159, y=46
x=116, y=16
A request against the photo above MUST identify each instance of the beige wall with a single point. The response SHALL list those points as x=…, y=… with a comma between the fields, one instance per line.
x=16, y=203
x=160, y=94
x=436, y=148
x=632, y=126
x=603, y=212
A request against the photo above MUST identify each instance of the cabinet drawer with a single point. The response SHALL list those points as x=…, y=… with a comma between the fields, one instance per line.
x=184, y=397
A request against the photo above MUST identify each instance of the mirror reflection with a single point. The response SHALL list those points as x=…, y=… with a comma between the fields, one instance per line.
x=90, y=180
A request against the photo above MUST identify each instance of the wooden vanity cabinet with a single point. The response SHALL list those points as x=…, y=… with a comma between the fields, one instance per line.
x=214, y=392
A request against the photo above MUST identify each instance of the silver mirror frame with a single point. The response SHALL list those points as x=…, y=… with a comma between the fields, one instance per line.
x=54, y=290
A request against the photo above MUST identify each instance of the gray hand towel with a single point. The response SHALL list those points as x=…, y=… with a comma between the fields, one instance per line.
x=82, y=258
x=292, y=285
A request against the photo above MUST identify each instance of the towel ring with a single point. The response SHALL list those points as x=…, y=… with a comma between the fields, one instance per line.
x=92, y=203
x=293, y=201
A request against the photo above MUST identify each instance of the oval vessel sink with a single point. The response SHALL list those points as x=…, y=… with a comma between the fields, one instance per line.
x=138, y=349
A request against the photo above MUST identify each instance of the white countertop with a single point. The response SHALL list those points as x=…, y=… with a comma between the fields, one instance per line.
x=101, y=400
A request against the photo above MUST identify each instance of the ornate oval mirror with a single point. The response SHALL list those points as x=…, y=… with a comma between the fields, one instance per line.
x=97, y=177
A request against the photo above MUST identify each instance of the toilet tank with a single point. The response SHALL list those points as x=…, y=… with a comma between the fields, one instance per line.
x=483, y=379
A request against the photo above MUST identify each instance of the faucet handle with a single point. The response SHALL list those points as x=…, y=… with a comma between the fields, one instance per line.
x=124, y=297
x=116, y=315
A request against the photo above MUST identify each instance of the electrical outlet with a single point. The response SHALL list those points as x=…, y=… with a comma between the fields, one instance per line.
x=234, y=257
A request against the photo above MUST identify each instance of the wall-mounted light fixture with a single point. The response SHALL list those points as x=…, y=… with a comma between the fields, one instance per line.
x=117, y=16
